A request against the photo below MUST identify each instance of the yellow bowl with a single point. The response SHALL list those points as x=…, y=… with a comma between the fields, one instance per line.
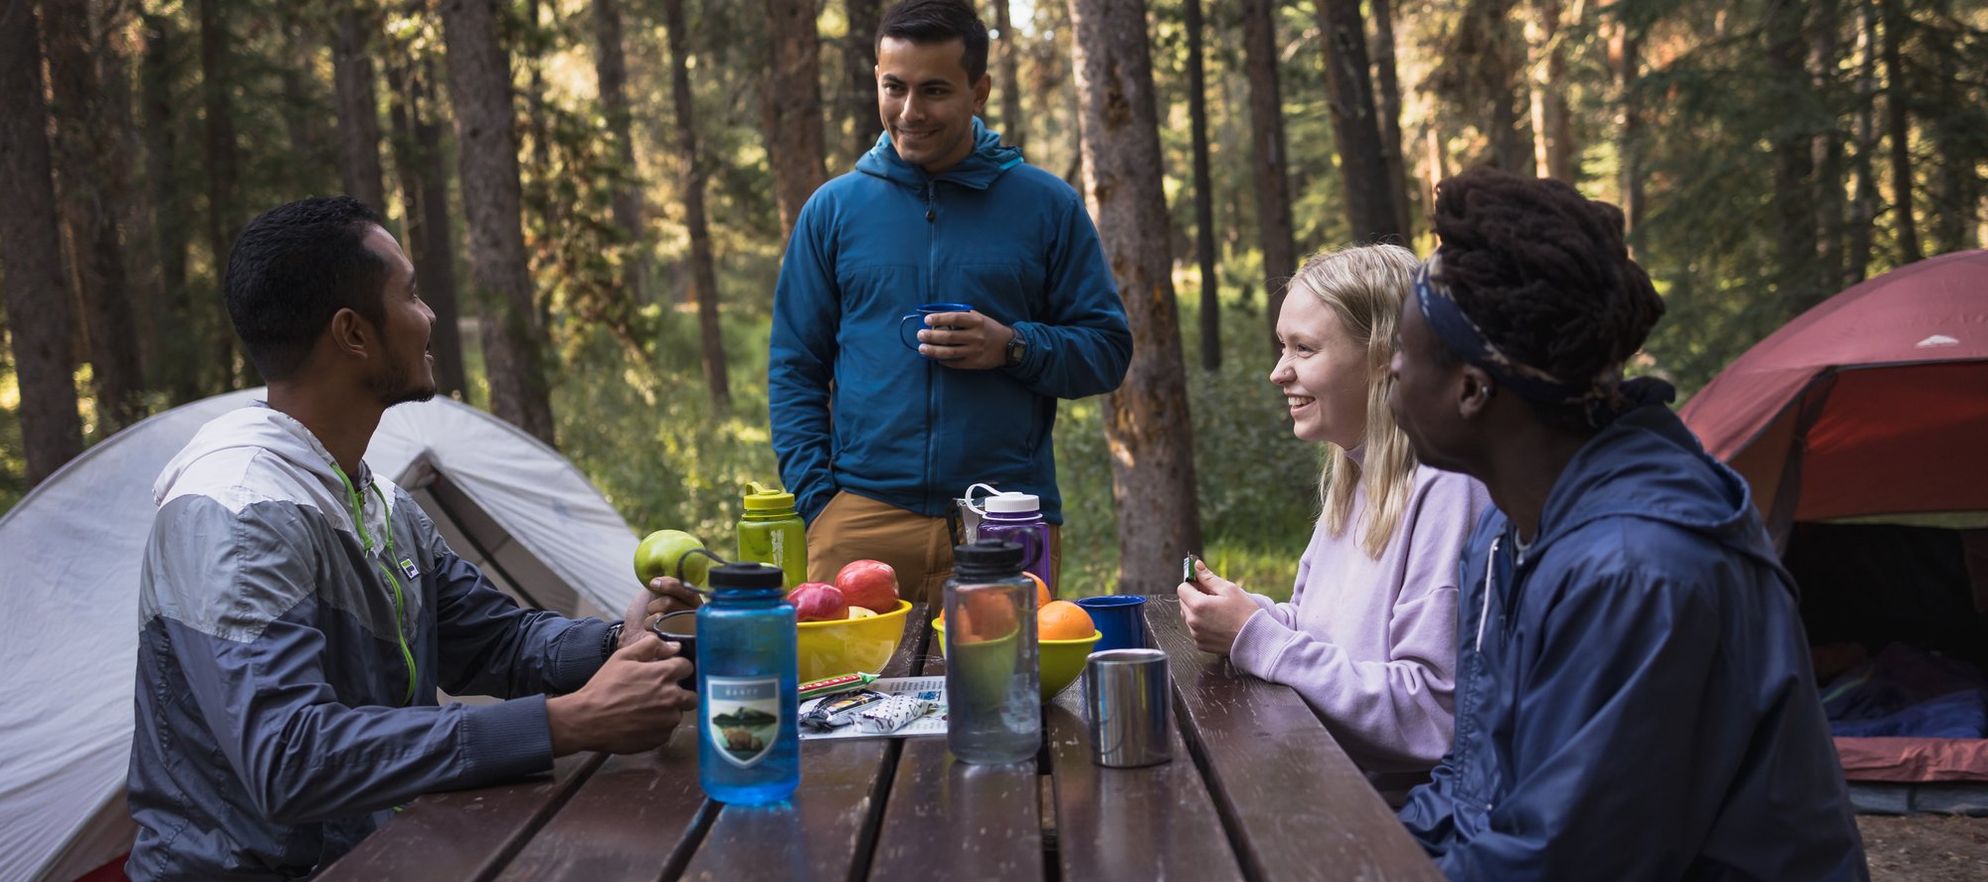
x=1059, y=661
x=845, y=646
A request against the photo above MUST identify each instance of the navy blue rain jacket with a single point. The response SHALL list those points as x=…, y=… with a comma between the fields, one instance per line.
x=1634, y=699
x=853, y=409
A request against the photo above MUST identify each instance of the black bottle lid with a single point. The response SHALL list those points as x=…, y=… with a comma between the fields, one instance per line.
x=988, y=558
x=744, y=575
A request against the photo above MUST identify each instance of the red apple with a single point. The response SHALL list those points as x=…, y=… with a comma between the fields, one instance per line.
x=818, y=602
x=870, y=584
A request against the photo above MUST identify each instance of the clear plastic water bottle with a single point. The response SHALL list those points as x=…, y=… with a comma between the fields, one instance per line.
x=772, y=533
x=748, y=734
x=993, y=704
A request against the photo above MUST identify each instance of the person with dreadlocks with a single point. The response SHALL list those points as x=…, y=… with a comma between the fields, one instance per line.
x=1634, y=698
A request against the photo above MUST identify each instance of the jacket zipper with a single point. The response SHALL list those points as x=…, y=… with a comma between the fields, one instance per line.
x=399, y=596
x=931, y=370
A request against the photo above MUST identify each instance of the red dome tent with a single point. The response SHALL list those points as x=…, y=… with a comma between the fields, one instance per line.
x=1873, y=406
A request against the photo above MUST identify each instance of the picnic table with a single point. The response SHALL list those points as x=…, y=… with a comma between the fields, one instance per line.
x=1257, y=789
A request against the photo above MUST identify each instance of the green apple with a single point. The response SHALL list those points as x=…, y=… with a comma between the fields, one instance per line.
x=658, y=555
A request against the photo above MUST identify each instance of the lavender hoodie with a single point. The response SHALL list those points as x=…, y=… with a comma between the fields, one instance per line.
x=1371, y=644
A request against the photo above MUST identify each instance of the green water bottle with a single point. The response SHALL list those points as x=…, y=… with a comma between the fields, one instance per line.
x=772, y=533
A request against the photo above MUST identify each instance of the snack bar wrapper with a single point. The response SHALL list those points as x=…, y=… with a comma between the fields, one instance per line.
x=891, y=714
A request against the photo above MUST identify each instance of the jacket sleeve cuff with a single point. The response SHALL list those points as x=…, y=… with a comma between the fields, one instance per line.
x=505, y=740
x=1260, y=644
x=577, y=655
x=1035, y=360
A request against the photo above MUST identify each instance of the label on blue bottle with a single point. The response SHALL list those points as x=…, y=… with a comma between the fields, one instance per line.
x=741, y=717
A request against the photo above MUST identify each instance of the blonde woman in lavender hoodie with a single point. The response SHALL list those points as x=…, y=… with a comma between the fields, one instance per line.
x=1369, y=637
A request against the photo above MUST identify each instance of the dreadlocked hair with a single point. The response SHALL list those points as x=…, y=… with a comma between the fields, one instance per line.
x=1545, y=273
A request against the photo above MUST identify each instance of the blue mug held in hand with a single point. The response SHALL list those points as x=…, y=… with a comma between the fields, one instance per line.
x=908, y=333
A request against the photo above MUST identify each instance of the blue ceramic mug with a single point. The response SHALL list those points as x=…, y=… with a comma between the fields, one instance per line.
x=907, y=333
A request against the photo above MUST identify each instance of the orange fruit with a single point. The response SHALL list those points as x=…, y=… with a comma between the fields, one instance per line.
x=984, y=615
x=1063, y=620
x=1042, y=595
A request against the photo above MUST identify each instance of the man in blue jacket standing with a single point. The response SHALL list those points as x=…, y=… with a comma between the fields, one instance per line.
x=298, y=611
x=876, y=440
x=1634, y=699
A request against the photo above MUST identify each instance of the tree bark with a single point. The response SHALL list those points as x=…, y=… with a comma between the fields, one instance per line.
x=794, y=111
x=1826, y=148
x=1553, y=148
x=39, y=312
x=1371, y=198
x=1147, y=420
x=222, y=163
x=1204, y=196
x=1864, y=202
x=611, y=67
x=358, y=106
x=1794, y=171
x=487, y=155
x=89, y=165
x=1957, y=141
x=859, y=57
x=122, y=33
x=703, y=270
x=179, y=372
x=1898, y=118
x=1387, y=101
x=424, y=184
x=1625, y=50
x=1014, y=130
x=1268, y=156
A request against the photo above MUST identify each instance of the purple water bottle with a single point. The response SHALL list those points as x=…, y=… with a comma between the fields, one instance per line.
x=1016, y=517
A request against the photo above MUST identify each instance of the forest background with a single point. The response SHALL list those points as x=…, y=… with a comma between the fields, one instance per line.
x=596, y=194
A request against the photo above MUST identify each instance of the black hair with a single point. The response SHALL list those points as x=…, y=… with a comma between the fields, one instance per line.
x=292, y=269
x=936, y=21
x=1545, y=273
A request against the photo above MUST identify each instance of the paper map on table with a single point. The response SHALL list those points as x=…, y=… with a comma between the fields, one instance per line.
x=931, y=689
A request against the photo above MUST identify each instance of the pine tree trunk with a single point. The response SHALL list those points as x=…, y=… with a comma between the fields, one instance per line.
x=314, y=148
x=1864, y=201
x=358, y=107
x=424, y=186
x=1387, y=100
x=90, y=170
x=611, y=67
x=1794, y=172
x=795, y=138
x=179, y=371
x=1826, y=148
x=1957, y=140
x=1625, y=51
x=222, y=155
x=703, y=269
x=1204, y=196
x=1014, y=130
x=859, y=58
x=487, y=156
x=1371, y=198
x=1898, y=117
x=1553, y=147
x=116, y=66
x=1268, y=155
x=40, y=316
x=1147, y=417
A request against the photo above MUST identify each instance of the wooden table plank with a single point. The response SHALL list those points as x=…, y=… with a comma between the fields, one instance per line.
x=637, y=818
x=953, y=820
x=464, y=834
x=1295, y=806
x=1157, y=822
x=829, y=828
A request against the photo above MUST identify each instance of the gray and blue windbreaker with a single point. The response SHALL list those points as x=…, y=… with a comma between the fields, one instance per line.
x=1634, y=699
x=295, y=627
x=993, y=231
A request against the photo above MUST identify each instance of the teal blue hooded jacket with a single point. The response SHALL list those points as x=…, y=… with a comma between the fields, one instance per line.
x=854, y=409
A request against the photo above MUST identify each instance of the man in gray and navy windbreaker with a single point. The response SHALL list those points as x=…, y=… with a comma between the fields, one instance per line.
x=299, y=612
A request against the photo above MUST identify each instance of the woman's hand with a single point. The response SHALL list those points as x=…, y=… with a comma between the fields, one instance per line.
x=1215, y=609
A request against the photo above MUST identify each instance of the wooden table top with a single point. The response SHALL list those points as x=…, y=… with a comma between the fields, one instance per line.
x=1257, y=789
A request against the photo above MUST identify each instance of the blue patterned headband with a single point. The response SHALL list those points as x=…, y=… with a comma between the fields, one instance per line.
x=1462, y=337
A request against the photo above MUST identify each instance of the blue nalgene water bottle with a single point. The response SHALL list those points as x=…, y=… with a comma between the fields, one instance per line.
x=748, y=738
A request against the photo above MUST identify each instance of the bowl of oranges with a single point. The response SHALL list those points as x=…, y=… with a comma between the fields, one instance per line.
x=1064, y=637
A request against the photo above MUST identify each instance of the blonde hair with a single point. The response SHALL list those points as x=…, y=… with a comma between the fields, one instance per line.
x=1365, y=286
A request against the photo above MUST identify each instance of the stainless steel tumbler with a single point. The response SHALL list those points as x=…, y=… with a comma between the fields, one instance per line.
x=1129, y=695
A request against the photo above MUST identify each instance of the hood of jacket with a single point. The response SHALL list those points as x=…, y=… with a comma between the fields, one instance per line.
x=978, y=170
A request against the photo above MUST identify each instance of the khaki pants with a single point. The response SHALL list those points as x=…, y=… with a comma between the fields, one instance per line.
x=920, y=549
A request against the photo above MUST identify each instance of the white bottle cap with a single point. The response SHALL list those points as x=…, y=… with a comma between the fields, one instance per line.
x=1012, y=502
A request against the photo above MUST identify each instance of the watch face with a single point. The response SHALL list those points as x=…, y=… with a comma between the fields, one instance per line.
x=1016, y=349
